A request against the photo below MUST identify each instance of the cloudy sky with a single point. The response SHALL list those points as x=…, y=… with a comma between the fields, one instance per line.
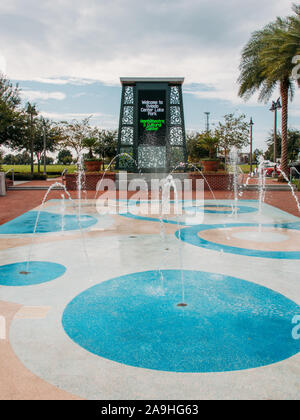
x=68, y=55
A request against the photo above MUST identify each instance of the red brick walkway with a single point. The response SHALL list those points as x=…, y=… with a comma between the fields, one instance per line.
x=255, y=181
x=16, y=203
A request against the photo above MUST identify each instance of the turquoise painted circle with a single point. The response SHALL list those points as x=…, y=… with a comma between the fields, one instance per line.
x=47, y=222
x=228, y=324
x=38, y=272
x=215, y=209
x=191, y=236
x=193, y=210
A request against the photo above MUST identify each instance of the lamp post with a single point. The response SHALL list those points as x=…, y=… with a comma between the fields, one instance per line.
x=275, y=106
x=44, y=139
x=207, y=121
x=251, y=123
x=31, y=111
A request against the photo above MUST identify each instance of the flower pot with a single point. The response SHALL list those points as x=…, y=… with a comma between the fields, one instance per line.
x=92, y=165
x=210, y=165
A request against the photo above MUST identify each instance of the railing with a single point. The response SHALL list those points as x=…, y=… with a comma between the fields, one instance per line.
x=13, y=174
x=293, y=170
x=63, y=174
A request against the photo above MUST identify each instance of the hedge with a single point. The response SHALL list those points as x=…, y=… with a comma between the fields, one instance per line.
x=24, y=176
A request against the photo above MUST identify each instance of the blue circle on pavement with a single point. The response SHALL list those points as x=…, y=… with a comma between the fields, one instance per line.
x=215, y=209
x=47, y=222
x=228, y=324
x=191, y=236
x=28, y=274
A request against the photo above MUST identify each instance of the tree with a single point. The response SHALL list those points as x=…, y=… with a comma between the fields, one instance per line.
x=293, y=39
x=72, y=135
x=293, y=137
x=195, y=149
x=40, y=132
x=110, y=140
x=256, y=154
x=49, y=160
x=64, y=157
x=22, y=158
x=9, y=159
x=91, y=144
x=12, y=119
x=267, y=61
x=234, y=132
x=45, y=139
x=107, y=143
x=210, y=144
x=32, y=113
x=1, y=159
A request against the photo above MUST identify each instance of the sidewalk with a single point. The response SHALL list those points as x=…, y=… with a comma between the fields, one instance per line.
x=255, y=180
x=38, y=183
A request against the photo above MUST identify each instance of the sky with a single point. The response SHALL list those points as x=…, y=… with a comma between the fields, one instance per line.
x=68, y=55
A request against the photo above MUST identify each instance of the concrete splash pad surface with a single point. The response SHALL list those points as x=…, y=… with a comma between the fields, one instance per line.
x=47, y=351
x=228, y=324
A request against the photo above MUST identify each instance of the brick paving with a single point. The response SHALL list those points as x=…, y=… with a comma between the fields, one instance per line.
x=268, y=181
x=15, y=203
x=18, y=382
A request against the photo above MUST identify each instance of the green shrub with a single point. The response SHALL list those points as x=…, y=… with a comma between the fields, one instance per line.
x=24, y=176
x=92, y=160
x=297, y=183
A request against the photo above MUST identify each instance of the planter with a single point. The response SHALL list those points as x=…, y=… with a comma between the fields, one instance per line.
x=210, y=165
x=92, y=165
x=90, y=180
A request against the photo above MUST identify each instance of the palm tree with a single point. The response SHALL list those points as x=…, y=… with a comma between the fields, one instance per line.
x=210, y=144
x=293, y=36
x=266, y=63
x=90, y=143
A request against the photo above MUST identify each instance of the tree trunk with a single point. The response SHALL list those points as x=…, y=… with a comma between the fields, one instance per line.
x=39, y=162
x=284, y=90
x=31, y=143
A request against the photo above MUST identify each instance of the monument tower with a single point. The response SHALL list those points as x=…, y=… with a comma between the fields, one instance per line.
x=151, y=127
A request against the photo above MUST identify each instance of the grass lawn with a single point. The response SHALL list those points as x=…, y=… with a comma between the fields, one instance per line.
x=246, y=168
x=72, y=168
x=49, y=168
x=297, y=183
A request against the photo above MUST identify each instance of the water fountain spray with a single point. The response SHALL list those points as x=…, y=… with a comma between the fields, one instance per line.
x=108, y=167
x=261, y=188
x=167, y=185
x=291, y=187
x=53, y=186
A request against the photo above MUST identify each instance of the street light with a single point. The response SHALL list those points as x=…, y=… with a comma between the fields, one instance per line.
x=207, y=121
x=31, y=111
x=44, y=138
x=251, y=123
x=275, y=105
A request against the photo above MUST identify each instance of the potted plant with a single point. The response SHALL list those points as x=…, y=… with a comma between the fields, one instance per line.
x=210, y=144
x=91, y=163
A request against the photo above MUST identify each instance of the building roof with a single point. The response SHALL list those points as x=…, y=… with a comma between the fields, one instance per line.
x=175, y=80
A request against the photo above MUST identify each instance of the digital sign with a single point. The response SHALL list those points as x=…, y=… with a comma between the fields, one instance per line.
x=152, y=117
